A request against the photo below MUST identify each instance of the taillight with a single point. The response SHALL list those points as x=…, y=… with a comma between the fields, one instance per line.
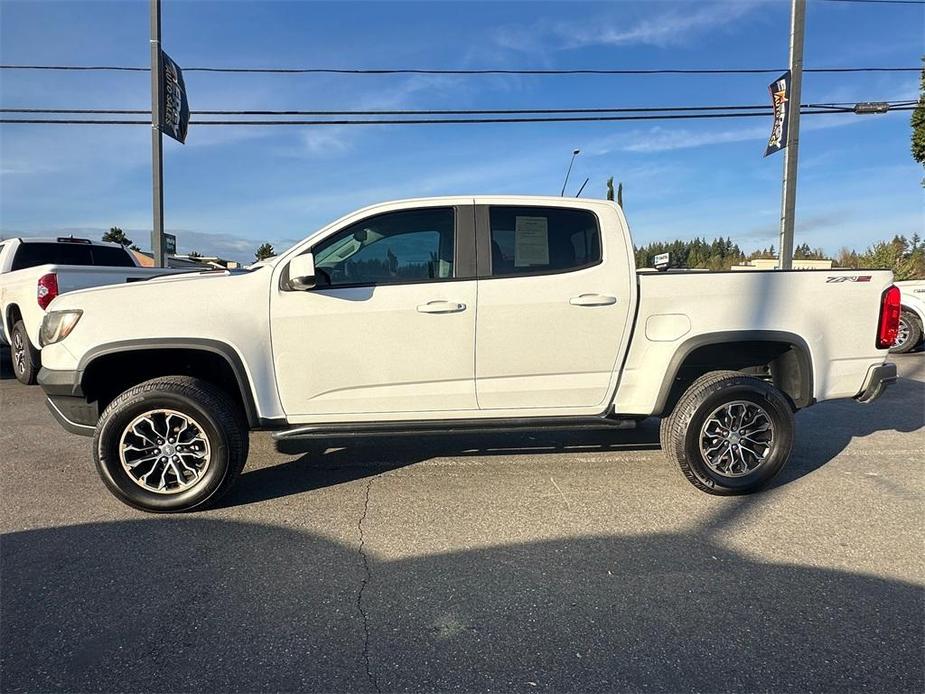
x=890, y=308
x=47, y=289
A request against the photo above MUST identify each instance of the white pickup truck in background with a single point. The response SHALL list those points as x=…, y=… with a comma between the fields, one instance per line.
x=458, y=314
x=912, y=319
x=33, y=271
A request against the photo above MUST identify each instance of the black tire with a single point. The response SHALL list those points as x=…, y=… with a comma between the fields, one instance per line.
x=681, y=431
x=911, y=329
x=27, y=359
x=211, y=410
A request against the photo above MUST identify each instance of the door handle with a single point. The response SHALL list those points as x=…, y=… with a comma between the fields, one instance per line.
x=592, y=300
x=441, y=307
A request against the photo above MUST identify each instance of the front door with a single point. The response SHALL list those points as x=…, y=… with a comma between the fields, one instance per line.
x=552, y=316
x=390, y=327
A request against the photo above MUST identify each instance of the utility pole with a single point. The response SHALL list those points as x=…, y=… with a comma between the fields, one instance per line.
x=789, y=194
x=157, y=143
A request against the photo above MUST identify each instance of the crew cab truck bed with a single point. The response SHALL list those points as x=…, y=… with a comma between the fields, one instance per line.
x=455, y=314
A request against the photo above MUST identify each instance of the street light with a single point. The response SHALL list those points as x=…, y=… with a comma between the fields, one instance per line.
x=575, y=153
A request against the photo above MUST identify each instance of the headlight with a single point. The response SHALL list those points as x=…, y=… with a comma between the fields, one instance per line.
x=57, y=325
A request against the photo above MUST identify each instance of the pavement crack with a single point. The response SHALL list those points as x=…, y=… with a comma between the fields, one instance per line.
x=366, y=577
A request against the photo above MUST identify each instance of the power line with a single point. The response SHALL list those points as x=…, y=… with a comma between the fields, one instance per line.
x=487, y=71
x=440, y=121
x=880, y=2
x=764, y=108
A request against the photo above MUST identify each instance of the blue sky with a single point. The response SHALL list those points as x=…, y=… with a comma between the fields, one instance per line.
x=229, y=189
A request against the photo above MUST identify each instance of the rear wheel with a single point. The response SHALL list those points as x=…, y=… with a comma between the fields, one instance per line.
x=26, y=358
x=909, y=335
x=729, y=433
x=170, y=444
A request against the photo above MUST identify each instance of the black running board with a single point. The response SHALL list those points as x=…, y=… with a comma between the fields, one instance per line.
x=452, y=426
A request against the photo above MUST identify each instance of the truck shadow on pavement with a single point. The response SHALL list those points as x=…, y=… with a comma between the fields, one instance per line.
x=191, y=604
x=324, y=463
x=823, y=432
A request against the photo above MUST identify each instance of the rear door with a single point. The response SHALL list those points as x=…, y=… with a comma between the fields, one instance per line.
x=552, y=314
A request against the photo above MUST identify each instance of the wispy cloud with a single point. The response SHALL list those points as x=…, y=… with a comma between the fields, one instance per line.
x=660, y=138
x=670, y=27
x=810, y=224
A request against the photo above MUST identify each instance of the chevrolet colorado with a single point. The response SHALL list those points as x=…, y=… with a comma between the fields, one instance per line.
x=33, y=271
x=457, y=314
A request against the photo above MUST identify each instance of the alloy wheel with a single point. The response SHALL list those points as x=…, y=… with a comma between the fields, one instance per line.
x=19, y=352
x=165, y=451
x=736, y=438
x=902, y=335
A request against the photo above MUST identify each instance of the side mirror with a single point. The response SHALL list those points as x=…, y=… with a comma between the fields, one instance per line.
x=302, y=272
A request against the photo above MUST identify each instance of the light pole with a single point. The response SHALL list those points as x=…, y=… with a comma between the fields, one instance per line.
x=157, y=147
x=575, y=153
x=789, y=193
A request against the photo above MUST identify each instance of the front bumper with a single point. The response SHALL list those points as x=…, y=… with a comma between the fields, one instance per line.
x=878, y=379
x=66, y=401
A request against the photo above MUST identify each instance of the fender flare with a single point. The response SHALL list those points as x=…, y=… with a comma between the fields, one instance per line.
x=909, y=306
x=802, y=351
x=222, y=349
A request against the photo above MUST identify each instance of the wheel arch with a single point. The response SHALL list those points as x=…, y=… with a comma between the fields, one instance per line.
x=914, y=310
x=783, y=358
x=109, y=369
x=10, y=316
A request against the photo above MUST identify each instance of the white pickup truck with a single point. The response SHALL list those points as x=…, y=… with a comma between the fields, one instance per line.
x=458, y=314
x=33, y=271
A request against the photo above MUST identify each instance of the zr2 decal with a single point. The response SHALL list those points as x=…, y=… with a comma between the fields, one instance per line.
x=847, y=278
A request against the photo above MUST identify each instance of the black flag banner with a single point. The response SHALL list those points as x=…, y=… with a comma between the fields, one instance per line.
x=779, y=90
x=174, y=106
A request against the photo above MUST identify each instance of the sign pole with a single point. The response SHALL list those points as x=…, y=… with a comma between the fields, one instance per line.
x=789, y=194
x=157, y=145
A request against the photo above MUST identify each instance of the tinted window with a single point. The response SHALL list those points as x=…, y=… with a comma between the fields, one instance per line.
x=527, y=240
x=406, y=246
x=32, y=254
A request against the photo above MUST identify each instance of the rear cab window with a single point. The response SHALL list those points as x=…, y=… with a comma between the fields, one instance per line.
x=542, y=240
x=42, y=253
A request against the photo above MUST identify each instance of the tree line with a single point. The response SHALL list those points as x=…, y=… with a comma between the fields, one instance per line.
x=904, y=256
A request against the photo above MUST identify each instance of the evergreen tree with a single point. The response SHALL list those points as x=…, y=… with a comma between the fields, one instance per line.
x=116, y=235
x=264, y=251
x=918, y=125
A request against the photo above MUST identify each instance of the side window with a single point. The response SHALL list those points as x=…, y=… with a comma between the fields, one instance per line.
x=531, y=240
x=404, y=246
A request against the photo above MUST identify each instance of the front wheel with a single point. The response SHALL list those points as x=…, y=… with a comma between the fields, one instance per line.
x=729, y=433
x=170, y=444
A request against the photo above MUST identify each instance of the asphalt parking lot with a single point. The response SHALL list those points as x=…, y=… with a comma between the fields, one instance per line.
x=579, y=562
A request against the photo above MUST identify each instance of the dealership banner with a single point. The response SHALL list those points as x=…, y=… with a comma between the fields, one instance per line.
x=174, y=106
x=779, y=90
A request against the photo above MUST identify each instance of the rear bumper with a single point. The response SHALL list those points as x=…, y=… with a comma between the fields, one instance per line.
x=66, y=401
x=878, y=379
